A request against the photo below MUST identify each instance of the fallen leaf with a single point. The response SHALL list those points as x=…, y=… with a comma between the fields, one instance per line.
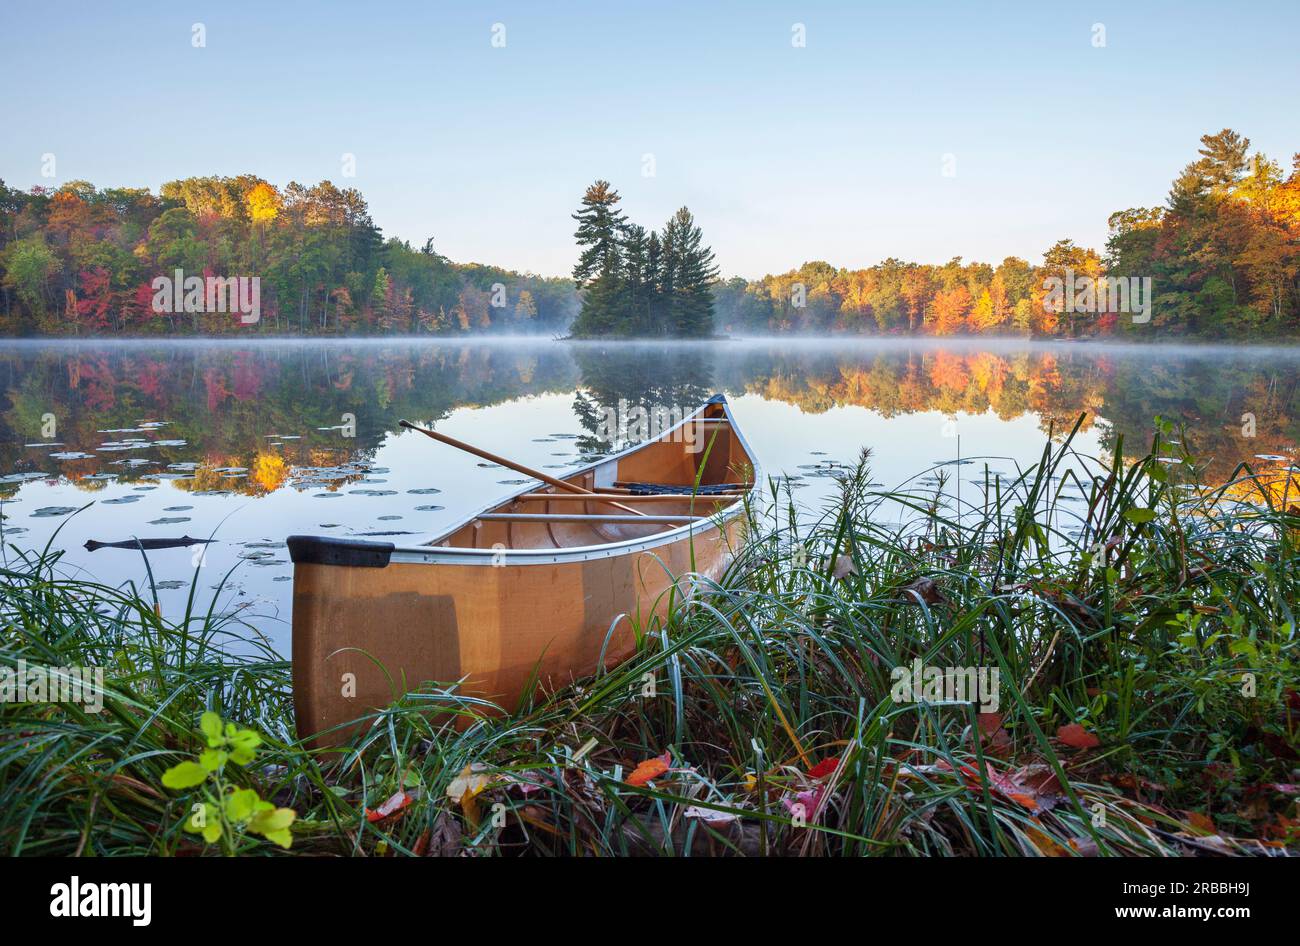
x=1042, y=779
x=650, y=769
x=1076, y=736
x=994, y=737
x=1032, y=788
x=1084, y=847
x=926, y=590
x=394, y=804
x=527, y=782
x=711, y=817
x=1044, y=842
x=469, y=782
x=1023, y=799
x=824, y=768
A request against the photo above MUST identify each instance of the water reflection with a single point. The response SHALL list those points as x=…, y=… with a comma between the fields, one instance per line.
x=258, y=442
x=240, y=420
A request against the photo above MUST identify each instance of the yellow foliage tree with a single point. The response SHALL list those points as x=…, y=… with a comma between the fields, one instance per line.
x=982, y=317
x=263, y=203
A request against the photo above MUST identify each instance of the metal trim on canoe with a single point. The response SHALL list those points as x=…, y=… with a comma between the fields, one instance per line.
x=328, y=550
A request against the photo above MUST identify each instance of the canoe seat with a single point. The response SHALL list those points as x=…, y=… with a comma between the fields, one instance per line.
x=650, y=489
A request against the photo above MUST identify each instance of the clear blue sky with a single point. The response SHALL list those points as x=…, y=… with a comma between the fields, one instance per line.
x=833, y=151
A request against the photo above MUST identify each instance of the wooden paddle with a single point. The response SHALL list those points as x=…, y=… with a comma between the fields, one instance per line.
x=517, y=467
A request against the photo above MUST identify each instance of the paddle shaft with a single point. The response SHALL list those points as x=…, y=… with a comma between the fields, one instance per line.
x=517, y=467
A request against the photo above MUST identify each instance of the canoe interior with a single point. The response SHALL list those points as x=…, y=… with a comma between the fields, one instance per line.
x=674, y=459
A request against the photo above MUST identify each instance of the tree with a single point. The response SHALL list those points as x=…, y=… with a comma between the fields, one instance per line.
x=29, y=266
x=263, y=203
x=599, y=227
x=1223, y=160
x=599, y=267
x=640, y=281
x=948, y=309
x=982, y=317
x=915, y=290
x=525, y=307
x=690, y=273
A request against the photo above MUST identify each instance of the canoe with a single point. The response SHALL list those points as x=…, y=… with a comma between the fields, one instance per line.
x=538, y=589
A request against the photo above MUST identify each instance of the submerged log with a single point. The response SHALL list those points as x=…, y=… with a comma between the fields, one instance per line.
x=147, y=545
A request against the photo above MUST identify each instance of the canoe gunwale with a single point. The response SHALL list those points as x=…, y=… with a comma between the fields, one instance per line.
x=426, y=554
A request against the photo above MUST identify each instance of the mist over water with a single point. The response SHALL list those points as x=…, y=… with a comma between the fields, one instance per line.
x=249, y=443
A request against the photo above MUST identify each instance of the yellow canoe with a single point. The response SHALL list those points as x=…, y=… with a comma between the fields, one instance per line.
x=541, y=584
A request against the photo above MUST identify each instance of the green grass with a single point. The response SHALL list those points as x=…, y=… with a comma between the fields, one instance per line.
x=784, y=662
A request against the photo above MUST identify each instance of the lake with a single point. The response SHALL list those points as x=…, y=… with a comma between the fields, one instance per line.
x=250, y=443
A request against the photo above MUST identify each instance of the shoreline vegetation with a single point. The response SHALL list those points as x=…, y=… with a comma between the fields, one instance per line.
x=1148, y=703
x=1220, y=260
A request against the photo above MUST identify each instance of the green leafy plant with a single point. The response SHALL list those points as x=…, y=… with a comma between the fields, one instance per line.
x=225, y=812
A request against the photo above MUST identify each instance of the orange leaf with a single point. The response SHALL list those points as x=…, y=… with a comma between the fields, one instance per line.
x=1076, y=736
x=649, y=769
x=1025, y=801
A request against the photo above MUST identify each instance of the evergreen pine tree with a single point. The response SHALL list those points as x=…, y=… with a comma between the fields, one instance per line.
x=654, y=276
x=599, y=268
x=634, y=283
x=638, y=282
x=688, y=277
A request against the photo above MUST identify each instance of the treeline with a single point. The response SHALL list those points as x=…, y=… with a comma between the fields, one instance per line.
x=1222, y=257
x=78, y=260
x=637, y=283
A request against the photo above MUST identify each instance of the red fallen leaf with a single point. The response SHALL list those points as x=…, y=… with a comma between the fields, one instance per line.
x=824, y=768
x=1201, y=822
x=394, y=804
x=650, y=769
x=1040, y=779
x=1030, y=788
x=1076, y=736
x=993, y=735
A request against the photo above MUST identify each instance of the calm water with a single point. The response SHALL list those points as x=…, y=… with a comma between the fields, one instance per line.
x=252, y=444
